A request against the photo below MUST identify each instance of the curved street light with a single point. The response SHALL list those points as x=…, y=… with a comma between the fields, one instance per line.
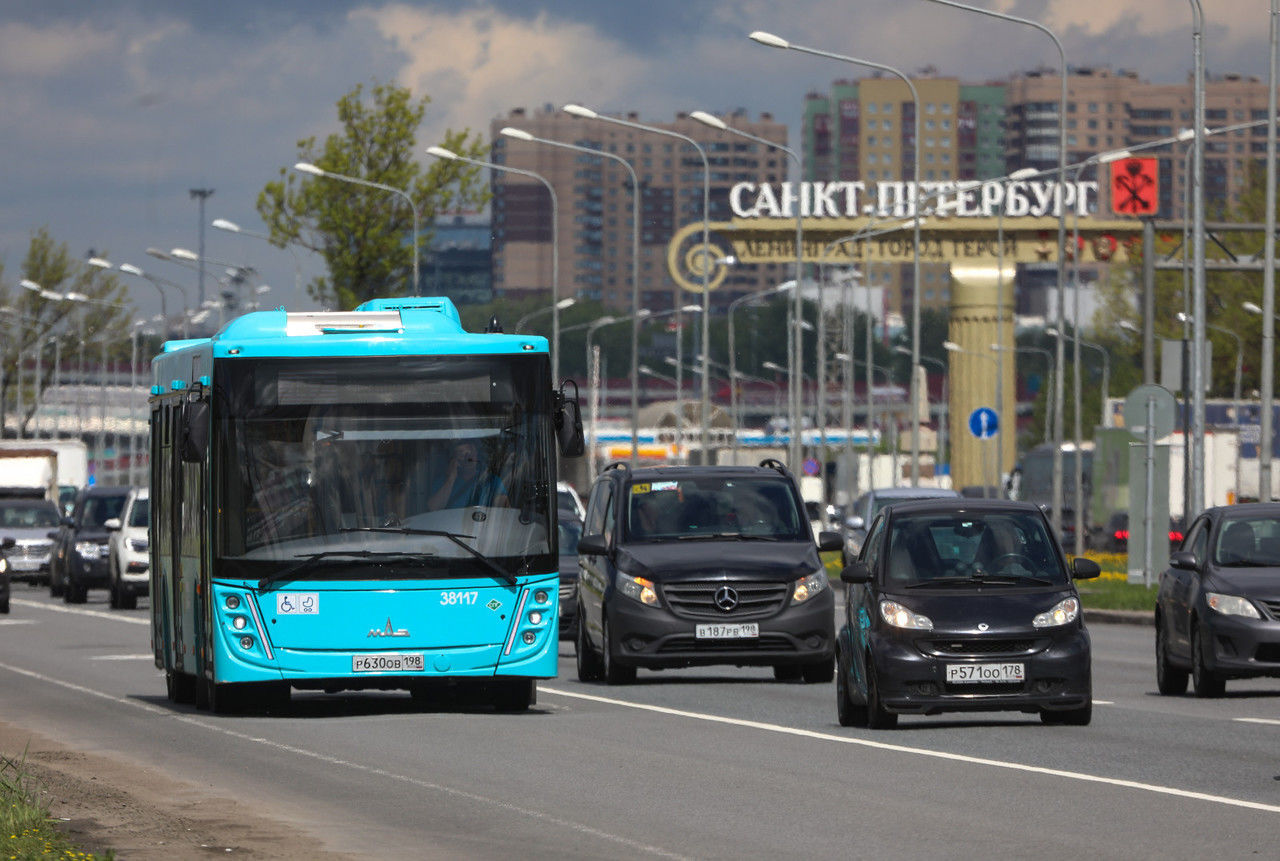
x=232, y=227
x=314, y=170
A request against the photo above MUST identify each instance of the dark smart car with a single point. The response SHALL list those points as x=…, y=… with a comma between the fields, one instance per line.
x=962, y=605
x=701, y=565
x=1218, y=608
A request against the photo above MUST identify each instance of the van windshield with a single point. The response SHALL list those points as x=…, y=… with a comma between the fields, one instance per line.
x=748, y=507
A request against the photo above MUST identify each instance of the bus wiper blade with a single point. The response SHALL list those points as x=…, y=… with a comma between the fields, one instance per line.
x=308, y=561
x=456, y=538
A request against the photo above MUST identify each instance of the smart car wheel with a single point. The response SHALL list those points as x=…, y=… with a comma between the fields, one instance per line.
x=614, y=673
x=877, y=716
x=1208, y=684
x=848, y=713
x=1170, y=680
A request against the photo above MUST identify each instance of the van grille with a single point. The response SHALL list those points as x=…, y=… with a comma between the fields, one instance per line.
x=696, y=599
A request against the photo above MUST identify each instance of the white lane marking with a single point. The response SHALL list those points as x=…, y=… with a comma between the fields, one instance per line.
x=122, y=657
x=6, y=622
x=935, y=754
x=576, y=827
x=97, y=614
x=1266, y=721
x=1104, y=702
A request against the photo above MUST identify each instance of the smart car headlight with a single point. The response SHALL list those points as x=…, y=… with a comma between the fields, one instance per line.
x=1064, y=612
x=1231, y=605
x=638, y=589
x=806, y=587
x=899, y=616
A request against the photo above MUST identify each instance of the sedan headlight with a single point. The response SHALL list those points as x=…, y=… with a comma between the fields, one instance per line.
x=1231, y=605
x=899, y=616
x=638, y=589
x=87, y=548
x=4, y=565
x=807, y=587
x=1064, y=612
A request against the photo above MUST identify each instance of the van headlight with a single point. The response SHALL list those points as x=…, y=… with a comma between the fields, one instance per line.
x=1231, y=605
x=638, y=589
x=807, y=587
x=1064, y=612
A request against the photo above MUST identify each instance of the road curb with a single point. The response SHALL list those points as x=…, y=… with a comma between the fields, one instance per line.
x=1121, y=617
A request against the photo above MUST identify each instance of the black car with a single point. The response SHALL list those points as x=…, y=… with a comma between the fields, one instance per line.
x=1218, y=608
x=6, y=545
x=962, y=605
x=80, y=550
x=694, y=566
x=569, y=531
x=1114, y=535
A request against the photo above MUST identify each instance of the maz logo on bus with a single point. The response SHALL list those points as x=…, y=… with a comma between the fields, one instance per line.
x=449, y=598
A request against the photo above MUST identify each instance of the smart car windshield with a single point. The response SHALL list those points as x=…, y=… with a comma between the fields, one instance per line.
x=962, y=548
x=742, y=507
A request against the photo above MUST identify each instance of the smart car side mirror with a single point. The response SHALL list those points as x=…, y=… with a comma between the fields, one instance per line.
x=856, y=572
x=1084, y=569
x=592, y=545
x=830, y=541
x=1183, y=559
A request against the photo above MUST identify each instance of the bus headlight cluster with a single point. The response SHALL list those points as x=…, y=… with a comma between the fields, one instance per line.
x=529, y=637
x=239, y=622
x=246, y=642
x=232, y=602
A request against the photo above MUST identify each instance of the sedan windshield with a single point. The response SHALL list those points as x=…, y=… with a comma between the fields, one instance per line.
x=24, y=515
x=1252, y=543
x=972, y=547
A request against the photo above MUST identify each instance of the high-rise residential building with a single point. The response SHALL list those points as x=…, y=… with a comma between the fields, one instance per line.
x=594, y=204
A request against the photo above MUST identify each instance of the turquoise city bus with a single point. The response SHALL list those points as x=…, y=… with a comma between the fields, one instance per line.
x=352, y=501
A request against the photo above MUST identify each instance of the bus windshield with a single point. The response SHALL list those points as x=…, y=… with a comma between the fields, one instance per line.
x=350, y=458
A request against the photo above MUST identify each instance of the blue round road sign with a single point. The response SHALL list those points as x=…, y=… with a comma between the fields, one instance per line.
x=810, y=466
x=983, y=422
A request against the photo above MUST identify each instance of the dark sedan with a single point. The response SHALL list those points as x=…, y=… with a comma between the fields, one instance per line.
x=962, y=605
x=1218, y=608
x=569, y=529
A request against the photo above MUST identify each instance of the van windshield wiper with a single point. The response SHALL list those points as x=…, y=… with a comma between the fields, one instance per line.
x=455, y=537
x=309, y=560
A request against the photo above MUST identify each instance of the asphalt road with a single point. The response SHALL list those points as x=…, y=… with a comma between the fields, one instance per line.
x=710, y=763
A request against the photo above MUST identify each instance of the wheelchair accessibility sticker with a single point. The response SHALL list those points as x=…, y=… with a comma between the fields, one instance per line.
x=298, y=603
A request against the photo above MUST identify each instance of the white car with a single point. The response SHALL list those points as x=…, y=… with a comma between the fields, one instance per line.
x=128, y=551
x=567, y=497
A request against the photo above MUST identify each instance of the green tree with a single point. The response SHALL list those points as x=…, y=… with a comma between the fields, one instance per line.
x=365, y=233
x=75, y=300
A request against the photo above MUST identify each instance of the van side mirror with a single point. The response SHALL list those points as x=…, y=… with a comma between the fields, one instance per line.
x=568, y=422
x=830, y=541
x=194, y=431
x=592, y=545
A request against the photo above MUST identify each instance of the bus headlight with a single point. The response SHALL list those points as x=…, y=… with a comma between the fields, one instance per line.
x=239, y=622
x=246, y=643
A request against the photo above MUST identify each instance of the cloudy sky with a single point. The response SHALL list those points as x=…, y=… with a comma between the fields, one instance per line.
x=112, y=110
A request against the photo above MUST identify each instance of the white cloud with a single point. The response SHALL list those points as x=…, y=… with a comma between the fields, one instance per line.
x=476, y=65
x=30, y=51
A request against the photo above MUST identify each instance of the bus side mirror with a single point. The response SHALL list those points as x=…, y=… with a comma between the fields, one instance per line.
x=568, y=421
x=194, y=436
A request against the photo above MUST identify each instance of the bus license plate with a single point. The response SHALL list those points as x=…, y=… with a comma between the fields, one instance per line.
x=388, y=662
x=960, y=674
x=739, y=631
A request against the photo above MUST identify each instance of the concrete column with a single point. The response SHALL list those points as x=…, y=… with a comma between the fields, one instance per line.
x=980, y=376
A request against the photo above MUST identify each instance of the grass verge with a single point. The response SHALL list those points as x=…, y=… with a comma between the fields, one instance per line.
x=26, y=831
x=1112, y=591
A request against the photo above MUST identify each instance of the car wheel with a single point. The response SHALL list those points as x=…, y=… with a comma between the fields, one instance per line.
x=877, y=716
x=113, y=593
x=55, y=587
x=128, y=601
x=818, y=672
x=1208, y=684
x=848, y=713
x=76, y=593
x=1170, y=680
x=4, y=607
x=1068, y=717
x=588, y=661
x=787, y=672
x=614, y=673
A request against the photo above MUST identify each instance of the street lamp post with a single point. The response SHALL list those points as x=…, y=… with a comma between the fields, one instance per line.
x=520, y=134
x=733, y=354
x=1048, y=372
x=797, y=346
x=561, y=305
x=706, y=263
x=944, y=417
x=1235, y=391
x=449, y=155
x=778, y=42
x=1059, y=400
x=593, y=374
x=314, y=170
x=232, y=227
